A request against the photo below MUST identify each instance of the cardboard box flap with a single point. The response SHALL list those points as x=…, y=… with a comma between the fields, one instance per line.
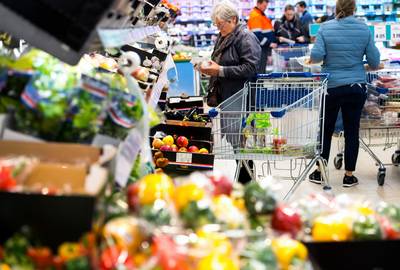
x=52, y=152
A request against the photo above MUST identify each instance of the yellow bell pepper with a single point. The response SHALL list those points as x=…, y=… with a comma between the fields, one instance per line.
x=70, y=251
x=125, y=233
x=187, y=193
x=217, y=262
x=332, y=228
x=155, y=186
x=5, y=267
x=286, y=250
x=214, y=243
x=365, y=211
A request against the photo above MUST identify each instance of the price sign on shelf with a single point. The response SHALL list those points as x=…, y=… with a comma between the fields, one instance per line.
x=380, y=33
x=395, y=32
x=184, y=157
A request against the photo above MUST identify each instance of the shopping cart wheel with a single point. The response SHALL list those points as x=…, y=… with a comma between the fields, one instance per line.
x=338, y=161
x=396, y=159
x=381, y=177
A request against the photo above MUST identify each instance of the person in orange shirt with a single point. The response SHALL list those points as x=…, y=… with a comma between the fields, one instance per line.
x=262, y=27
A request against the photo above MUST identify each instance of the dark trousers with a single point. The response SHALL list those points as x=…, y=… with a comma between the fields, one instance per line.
x=265, y=52
x=244, y=176
x=350, y=99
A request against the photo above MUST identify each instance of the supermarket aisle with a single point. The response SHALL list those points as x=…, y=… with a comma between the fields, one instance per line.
x=366, y=173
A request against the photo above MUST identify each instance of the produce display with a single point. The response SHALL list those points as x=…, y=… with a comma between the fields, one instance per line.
x=14, y=170
x=343, y=218
x=20, y=252
x=53, y=101
x=176, y=144
x=192, y=115
x=199, y=222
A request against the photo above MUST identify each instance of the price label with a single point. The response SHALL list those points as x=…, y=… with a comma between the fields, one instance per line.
x=112, y=38
x=380, y=33
x=395, y=32
x=184, y=157
x=127, y=154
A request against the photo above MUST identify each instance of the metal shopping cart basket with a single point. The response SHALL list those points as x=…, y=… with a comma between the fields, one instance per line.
x=380, y=122
x=278, y=117
x=284, y=59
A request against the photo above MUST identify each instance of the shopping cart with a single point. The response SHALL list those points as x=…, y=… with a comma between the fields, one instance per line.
x=284, y=59
x=380, y=122
x=276, y=118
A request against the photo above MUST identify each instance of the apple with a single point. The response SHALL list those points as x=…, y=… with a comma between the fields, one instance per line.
x=286, y=219
x=132, y=196
x=168, y=140
x=182, y=141
x=193, y=149
x=162, y=162
x=174, y=148
x=182, y=149
x=165, y=148
x=222, y=185
x=203, y=151
x=141, y=74
x=157, y=143
x=279, y=141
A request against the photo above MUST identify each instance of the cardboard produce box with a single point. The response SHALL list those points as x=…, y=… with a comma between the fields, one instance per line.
x=60, y=217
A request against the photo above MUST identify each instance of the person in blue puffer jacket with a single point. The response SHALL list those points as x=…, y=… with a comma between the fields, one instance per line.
x=342, y=44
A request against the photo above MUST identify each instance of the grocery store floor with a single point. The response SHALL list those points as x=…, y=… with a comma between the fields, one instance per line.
x=366, y=173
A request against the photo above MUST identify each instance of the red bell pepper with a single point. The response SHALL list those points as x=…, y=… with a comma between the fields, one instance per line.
x=7, y=181
x=389, y=230
x=287, y=220
x=168, y=256
x=110, y=258
x=42, y=257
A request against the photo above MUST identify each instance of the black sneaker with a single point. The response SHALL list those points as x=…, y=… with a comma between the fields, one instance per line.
x=315, y=177
x=350, y=181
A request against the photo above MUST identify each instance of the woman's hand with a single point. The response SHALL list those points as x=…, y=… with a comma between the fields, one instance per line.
x=308, y=61
x=301, y=39
x=210, y=68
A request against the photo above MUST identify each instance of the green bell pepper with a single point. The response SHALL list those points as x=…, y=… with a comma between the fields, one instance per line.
x=258, y=201
x=367, y=228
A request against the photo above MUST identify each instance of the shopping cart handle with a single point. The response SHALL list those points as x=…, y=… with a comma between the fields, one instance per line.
x=275, y=75
x=212, y=113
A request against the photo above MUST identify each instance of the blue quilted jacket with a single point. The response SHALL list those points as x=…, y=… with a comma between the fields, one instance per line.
x=342, y=45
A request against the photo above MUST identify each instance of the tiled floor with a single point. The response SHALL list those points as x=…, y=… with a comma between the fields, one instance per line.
x=366, y=173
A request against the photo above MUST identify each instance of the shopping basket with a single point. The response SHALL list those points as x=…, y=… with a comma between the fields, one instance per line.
x=380, y=122
x=278, y=117
x=284, y=58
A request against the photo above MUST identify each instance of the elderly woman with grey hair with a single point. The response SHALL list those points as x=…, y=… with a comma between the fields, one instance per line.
x=234, y=61
x=236, y=55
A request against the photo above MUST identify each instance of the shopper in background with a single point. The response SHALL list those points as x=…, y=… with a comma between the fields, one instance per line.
x=305, y=17
x=262, y=27
x=235, y=60
x=236, y=55
x=289, y=29
x=342, y=44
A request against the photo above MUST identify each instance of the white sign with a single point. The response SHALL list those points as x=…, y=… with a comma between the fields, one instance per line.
x=112, y=38
x=184, y=157
x=395, y=29
x=127, y=154
x=380, y=33
x=161, y=82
